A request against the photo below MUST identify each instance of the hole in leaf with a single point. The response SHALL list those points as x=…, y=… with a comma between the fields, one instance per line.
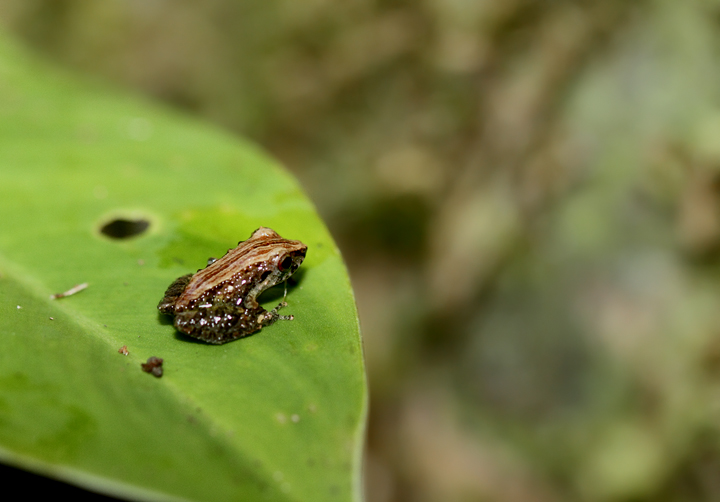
x=120, y=228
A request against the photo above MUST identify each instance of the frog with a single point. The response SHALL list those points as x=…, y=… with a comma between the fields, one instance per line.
x=218, y=304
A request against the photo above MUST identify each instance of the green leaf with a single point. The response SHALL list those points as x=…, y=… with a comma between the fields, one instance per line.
x=275, y=416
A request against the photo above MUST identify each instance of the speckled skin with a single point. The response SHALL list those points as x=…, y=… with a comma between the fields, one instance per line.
x=219, y=304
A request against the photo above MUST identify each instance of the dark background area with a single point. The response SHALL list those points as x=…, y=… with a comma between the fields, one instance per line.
x=527, y=195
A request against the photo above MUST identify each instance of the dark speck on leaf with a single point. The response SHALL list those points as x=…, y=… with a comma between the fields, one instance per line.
x=153, y=365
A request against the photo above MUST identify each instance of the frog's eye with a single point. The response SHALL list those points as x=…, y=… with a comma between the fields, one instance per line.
x=286, y=263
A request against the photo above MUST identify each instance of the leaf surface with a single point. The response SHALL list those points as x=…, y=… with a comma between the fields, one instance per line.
x=275, y=416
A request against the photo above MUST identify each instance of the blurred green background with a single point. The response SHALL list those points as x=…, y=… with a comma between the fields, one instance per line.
x=527, y=194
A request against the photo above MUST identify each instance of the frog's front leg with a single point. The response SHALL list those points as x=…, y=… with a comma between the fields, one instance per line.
x=272, y=316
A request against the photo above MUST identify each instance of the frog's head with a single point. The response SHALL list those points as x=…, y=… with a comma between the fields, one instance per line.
x=288, y=260
x=278, y=258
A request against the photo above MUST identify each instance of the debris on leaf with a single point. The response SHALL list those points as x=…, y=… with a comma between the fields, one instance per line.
x=153, y=365
x=71, y=291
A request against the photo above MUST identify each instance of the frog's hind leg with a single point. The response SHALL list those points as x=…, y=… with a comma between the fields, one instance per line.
x=173, y=292
x=219, y=323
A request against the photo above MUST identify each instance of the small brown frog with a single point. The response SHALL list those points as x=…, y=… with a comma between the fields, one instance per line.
x=219, y=304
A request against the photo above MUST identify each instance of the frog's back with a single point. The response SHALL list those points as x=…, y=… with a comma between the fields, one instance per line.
x=236, y=273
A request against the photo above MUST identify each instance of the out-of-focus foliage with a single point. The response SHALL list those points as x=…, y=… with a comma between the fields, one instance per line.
x=528, y=197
